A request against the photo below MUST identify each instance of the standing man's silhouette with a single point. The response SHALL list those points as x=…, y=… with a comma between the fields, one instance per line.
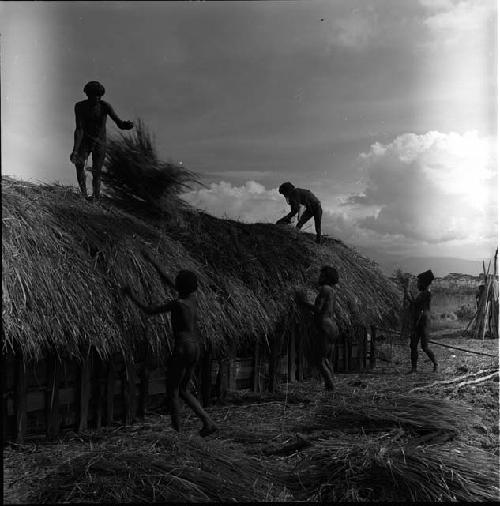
x=90, y=135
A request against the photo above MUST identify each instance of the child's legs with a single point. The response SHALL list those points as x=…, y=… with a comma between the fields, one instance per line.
x=424, y=343
x=176, y=372
x=415, y=337
x=191, y=354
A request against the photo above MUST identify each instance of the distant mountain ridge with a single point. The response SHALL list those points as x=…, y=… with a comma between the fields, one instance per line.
x=440, y=266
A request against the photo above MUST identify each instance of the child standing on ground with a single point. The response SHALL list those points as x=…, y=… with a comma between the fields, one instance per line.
x=421, y=317
x=324, y=309
x=186, y=353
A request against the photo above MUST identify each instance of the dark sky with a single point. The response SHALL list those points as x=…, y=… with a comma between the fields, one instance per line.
x=374, y=105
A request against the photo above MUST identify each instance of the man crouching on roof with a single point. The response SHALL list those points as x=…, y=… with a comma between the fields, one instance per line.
x=186, y=353
x=324, y=309
x=295, y=197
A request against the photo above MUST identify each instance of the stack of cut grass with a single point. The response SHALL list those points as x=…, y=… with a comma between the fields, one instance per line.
x=64, y=259
x=434, y=418
x=168, y=469
x=364, y=469
x=133, y=171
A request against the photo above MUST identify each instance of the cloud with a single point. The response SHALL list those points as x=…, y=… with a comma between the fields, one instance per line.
x=249, y=203
x=433, y=187
x=455, y=22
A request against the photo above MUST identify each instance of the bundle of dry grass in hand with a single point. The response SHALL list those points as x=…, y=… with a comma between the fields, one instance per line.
x=133, y=171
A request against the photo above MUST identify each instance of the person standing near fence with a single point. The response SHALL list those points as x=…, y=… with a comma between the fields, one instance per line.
x=324, y=311
x=90, y=135
x=421, y=320
x=186, y=353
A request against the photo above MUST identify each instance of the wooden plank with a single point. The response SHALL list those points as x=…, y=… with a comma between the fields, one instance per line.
x=256, y=387
x=347, y=346
x=20, y=400
x=300, y=353
x=222, y=383
x=129, y=392
x=52, y=399
x=206, y=378
x=373, y=336
x=110, y=392
x=85, y=387
x=364, y=348
x=143, y=391
x=292, y=368
x=99, y=391
x=232, y=375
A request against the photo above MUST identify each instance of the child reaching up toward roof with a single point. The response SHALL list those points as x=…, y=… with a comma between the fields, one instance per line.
x=186, y=353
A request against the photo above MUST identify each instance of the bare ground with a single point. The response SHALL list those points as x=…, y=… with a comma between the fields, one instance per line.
x=268, y=427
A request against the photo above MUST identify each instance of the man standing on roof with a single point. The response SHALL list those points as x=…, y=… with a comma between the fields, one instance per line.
x=90, y=135
x=297, y=196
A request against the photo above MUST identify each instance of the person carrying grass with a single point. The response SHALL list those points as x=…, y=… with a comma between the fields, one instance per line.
x=421, y=318
x=186, y=352
x=90, y=135
x=324, y=310
x=297, y=196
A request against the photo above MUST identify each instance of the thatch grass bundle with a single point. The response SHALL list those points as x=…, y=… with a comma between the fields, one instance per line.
x=436, y=418
x=384, y=469
x=170, y=469
x=64, y=259
x=133, y=170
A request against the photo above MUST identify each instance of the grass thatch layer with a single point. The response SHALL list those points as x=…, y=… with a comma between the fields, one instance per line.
x=64, y=258
x=363, y=469
x=169, y=470
x=133, y=171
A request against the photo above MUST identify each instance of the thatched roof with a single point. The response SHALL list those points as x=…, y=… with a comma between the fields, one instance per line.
x=63, y=259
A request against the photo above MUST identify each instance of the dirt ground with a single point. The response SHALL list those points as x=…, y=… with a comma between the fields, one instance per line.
x=255, y=424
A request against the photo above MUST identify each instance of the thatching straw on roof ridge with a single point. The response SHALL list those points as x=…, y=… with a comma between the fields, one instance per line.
x=360, y=469
x=64, y=258
x=133, y=172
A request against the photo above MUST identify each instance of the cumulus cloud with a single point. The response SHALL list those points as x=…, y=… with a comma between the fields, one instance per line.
x=433, y=187
x=249, y=203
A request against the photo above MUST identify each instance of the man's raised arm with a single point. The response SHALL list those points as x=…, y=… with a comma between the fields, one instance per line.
x=122, y=125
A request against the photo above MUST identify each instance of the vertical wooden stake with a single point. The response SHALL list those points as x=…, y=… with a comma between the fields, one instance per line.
x=364, y=347
x=206, y=377
x=347, y=346
x=143, y=391
x=256, y=367
x=129, y=391
x=20, y=400
x=300, y=353
x=232, y=374
x=222, y=383
x=100, y=391
x=372, y=346
x=84, y=392
x=110, y=392
x=52, y=398
x=292, y=367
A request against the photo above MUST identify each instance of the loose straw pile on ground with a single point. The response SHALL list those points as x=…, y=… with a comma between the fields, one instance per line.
x=386, y=469
x=166, y=469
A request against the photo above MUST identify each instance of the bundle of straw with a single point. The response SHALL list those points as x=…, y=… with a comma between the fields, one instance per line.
x=182, y=471
x=415, y=414
x=133, y=171
x=366, y=469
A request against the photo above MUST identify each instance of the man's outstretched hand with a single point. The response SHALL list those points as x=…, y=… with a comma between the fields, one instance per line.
x=126, y=125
